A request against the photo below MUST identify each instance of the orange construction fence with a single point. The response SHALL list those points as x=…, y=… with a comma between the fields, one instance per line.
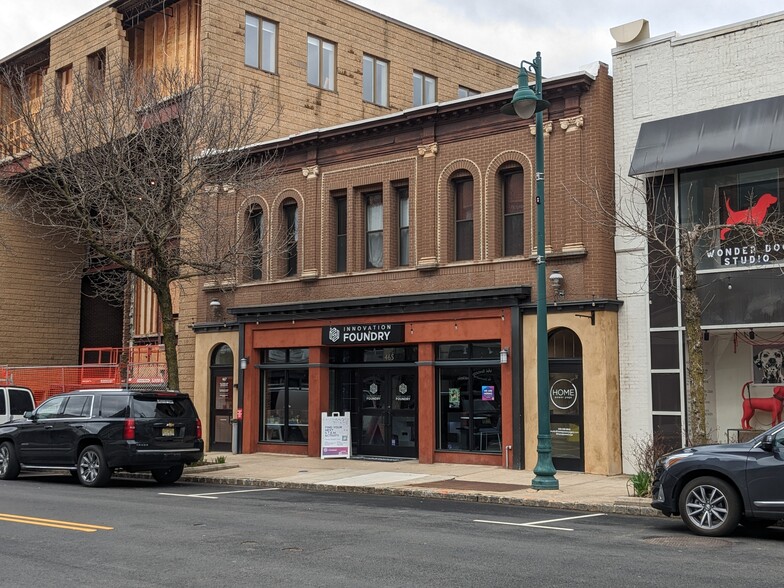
x=102, y=367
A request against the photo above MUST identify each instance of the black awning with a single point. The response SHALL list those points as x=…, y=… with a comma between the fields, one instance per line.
x=733, y=132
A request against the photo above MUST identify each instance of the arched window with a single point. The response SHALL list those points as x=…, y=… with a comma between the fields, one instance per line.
x=463, y=194
x=290, y=216
x=222, y=356
x=511, y=180
x=564, y=343
x=255, y=244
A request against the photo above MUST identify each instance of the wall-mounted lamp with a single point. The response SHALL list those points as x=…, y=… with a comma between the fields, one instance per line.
x=706, y=335
x=215, y=304
x=243, y=363
x=557, y=282
x=503, y=355
x=751, y=334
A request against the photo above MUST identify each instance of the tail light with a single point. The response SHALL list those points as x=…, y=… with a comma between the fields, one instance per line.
x=198, y=428
x=129, y=430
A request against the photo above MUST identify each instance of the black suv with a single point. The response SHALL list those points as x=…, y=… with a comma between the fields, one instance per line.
x=715, y=487
x=93, y=432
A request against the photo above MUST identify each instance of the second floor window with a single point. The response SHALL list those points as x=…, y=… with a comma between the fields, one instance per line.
x=341, y=222
x=291, y=238
x=261, y=43
x=424, y=89
x=374, y=227
x=321, y=63
x=512, y=188
x=403, y=224
x=256, y=229
x=463, y=189
x=375, y=80
x=96, y=73
x=65, y=88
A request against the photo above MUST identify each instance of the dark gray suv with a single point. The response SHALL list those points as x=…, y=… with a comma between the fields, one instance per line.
x=716, y=487
x=91, y=433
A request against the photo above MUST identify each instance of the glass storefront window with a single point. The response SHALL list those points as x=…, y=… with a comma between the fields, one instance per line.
x=469, y=409
x=664, y=350
x=284, y=395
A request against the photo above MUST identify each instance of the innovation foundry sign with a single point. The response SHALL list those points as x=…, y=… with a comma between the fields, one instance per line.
x=358, y=334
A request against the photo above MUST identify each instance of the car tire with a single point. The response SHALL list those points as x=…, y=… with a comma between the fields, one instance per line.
x=9, y=465
x=710, y=507
x=91, y=469
x=168, y=475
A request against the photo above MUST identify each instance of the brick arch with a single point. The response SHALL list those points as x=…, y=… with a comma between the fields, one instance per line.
x=492, y=201
x=445, y=206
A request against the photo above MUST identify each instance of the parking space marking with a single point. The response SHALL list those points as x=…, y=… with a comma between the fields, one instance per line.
x=214, y=495
x=53, y=523
x=543, y=524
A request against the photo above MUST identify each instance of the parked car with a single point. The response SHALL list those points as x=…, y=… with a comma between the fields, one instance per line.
x=14, y=402
x=716, y=487
x=91, y=433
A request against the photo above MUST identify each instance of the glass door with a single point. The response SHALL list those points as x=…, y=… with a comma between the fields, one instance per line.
x=222, y=394
x=566, y=415
x=388, y=410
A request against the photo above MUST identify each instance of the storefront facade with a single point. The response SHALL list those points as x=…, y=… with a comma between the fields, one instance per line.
x=391, y=279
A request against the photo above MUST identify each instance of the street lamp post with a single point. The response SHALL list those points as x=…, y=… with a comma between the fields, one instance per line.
x=524, y=104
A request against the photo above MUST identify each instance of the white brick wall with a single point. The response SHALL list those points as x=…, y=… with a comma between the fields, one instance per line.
x=659, y=78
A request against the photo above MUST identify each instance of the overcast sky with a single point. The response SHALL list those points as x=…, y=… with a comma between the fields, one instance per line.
x=569, y=33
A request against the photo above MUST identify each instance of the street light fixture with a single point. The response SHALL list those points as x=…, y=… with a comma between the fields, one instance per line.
x=524, y=104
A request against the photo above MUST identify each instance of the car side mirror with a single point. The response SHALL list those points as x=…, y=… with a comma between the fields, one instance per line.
x=767, y=443
x=30, y=415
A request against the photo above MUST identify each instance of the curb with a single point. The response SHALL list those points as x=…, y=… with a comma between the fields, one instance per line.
x=622, y=506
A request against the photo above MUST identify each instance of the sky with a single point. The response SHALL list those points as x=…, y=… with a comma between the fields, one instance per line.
x=569, y=33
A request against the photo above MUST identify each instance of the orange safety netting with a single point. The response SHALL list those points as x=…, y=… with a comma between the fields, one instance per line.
x=104, y=367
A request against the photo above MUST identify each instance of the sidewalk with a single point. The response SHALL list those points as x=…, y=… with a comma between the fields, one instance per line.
x=582, y=492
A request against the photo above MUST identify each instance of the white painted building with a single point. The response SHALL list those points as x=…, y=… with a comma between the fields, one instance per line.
x=675, y=86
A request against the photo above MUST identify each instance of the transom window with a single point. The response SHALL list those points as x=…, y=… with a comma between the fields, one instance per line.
x=424, y=89
x=375, y=80
x=321, y=63
x=261, y=43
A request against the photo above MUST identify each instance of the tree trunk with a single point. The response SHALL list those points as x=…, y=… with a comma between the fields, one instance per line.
x=695, y=364
x=169, y=337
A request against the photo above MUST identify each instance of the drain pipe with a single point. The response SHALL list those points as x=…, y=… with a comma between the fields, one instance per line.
x=506, y=455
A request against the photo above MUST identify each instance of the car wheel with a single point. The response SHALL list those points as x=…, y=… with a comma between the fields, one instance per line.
x=9, y=465
x=710, y=506
x=91, y=468
x=168, y=475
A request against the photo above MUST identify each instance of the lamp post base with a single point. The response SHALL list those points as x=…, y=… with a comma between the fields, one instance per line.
x=545, y=470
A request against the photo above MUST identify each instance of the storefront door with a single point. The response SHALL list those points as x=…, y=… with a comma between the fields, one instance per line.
x=221, y=398
x=388, y=412
x=566, y=415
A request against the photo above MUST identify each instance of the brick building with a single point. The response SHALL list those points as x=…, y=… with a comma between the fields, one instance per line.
x=698, y=121
x=392, y=281
x=316, y=63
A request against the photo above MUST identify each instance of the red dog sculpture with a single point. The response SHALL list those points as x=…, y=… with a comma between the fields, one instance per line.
x=750, y=405
x=748, y=216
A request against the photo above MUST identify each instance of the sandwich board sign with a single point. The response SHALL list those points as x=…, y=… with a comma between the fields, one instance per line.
x=335, y=435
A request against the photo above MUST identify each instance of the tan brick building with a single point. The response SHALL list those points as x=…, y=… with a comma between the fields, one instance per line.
x=392, y=281
x=308, y=62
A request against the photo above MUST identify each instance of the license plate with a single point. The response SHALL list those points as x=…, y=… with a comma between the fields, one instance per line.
x=167, y=432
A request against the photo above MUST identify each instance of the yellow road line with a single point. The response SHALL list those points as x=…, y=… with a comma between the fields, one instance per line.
x=71, y=526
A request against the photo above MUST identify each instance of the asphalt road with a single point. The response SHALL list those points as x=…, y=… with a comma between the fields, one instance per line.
x=137, y=533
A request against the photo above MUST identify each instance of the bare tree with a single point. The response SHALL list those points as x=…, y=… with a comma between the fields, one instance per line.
x=676, y=241
x=141, y=171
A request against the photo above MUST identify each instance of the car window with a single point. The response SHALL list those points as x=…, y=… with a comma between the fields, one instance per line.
x=50, y=408
x=2, y=402
x=778, y=440
x=78, y=406
x=162, y=407
x=20, y=400
x=114, y=406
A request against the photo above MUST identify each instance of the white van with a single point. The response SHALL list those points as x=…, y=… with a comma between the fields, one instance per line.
x=14, y=402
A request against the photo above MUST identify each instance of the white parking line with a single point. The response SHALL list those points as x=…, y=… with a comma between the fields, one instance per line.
x=214, y=495
x=541, y=524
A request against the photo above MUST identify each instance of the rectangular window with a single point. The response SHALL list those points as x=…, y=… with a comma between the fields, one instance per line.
x=424, y=89
x=464, y=218
x=284, y=406
x=341, y=222
x=96, y=74
x=375, y=78
x=403, y=225
x=374, y=230
x=65, y=88
x=321, y=63
x=261, y=43
x=463, y=92
x=512, y=186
